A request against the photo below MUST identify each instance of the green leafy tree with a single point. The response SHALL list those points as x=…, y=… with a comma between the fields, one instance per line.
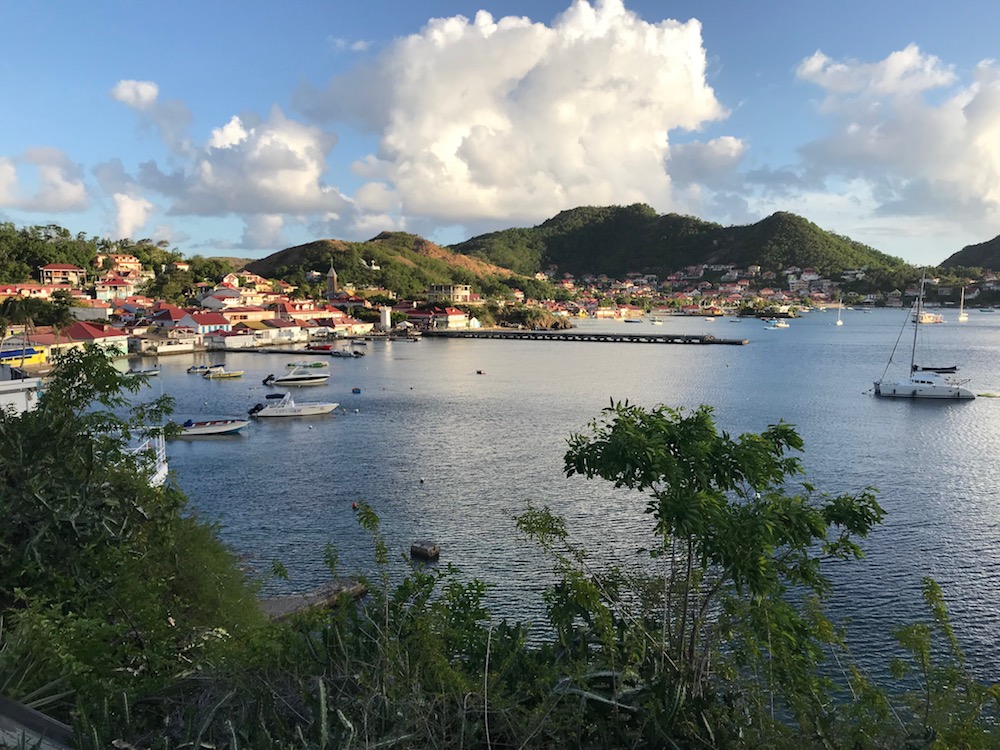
x=700, y=643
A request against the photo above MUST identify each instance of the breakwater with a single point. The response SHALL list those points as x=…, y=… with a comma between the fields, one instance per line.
x=575, y=335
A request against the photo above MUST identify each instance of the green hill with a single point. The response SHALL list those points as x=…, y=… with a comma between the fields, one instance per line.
x=984, y=255
x=404, y=263
x=615, y=240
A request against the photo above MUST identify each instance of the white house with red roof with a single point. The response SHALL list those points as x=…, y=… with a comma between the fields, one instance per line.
x=168, y=316
x=205, y=322
x=113, y=286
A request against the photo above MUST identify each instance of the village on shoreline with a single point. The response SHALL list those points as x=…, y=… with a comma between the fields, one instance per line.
x=245, y=311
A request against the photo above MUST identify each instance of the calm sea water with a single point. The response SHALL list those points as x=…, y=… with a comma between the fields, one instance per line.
x=445, y=453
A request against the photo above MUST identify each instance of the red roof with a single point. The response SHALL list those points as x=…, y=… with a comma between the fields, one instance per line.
x=83, y=330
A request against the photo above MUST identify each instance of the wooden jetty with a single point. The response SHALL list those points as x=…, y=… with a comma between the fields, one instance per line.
x=574, y=335
x=327, y=595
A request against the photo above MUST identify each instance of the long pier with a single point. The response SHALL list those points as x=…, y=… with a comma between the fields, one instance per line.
x=617, y=338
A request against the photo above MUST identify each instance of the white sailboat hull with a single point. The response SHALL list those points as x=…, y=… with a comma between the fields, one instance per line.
x=922, y=387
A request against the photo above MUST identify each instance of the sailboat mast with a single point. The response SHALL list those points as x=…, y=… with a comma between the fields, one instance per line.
x=916, y=323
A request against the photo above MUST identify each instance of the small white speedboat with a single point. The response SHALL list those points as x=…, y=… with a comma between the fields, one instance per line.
x=298, y=376
x=191, y=428
x=282, y=405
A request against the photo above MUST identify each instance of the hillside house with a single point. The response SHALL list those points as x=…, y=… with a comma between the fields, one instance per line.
x=62, y=273
x=121, y=263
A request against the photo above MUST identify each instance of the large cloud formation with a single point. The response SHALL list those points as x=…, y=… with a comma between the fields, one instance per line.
x=906, y=137
x=513, y=120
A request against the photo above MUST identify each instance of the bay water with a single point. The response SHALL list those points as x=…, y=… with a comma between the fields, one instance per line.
x=450, y=439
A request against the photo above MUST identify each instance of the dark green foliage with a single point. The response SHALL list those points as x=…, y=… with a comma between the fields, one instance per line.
x=983, y=255
x=615, y=240
x=107, y=585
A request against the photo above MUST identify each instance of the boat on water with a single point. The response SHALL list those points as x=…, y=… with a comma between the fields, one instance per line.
x=962, y=314
x=148, y=372
x=221, y=373
x=923, y=382
x=348, y=353
x=193, y=428
x=781, y=324
x=923, y=317
x=315, y=364
x=298, y=376
x=282, y=405
x=202, y=369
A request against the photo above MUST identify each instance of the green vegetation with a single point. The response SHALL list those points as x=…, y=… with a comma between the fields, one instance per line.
x=616, y=240
x=125, y=615
x=983, y=254
x=31, y=311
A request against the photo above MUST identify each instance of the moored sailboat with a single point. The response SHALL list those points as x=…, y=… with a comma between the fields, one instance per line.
x=923, y=382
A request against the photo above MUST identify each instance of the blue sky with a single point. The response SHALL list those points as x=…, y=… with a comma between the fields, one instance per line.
x=241, y=128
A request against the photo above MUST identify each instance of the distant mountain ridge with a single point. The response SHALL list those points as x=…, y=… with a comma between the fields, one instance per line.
x=609, y=240
x=615, y=240
x=984, y=255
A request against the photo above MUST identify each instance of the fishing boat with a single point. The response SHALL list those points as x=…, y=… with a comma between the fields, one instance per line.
x=282, y=405
x=298, y=376
x=221, y=373
x=923, y=382
x=193, y=428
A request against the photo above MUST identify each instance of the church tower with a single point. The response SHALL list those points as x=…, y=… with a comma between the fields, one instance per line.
x=331, y=281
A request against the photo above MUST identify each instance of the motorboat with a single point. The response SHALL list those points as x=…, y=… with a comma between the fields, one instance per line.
x=349, y=354
x=221, y=373
x=202, y=369
x=298, y=376
x=923, y=382
x=192, y=428
x=149, y=372
x=282, y=405
x=315, y=364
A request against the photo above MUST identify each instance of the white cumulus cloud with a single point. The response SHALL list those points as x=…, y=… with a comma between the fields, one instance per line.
x=274, y=166
x=512, y=120
x=922, y=144
x=138, y=94
x=132, y=214
x=42, y=179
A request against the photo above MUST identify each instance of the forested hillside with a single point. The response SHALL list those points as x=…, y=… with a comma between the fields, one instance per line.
x=23, y=251
x=983, y=255
x=404, y=263
x=615, y=240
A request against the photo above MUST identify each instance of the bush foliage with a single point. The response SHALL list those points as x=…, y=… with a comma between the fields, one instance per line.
x=126, y=615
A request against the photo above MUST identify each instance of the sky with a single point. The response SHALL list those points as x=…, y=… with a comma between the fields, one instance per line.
x=240, y=128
